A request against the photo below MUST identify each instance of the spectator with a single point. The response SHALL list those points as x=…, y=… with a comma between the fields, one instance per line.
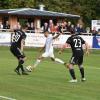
x=94, y=32
x=77, y=29
x=50, y=22
x=6, y=26
x=68, y=26
x=64, y=28
x=80, y=29
x=29, y=26
x=45, y=27
x=18, y=25
x=88, y=31
x=52, y=28
x=72, y=29
x=57, y=27
x=32, y=27
x=65, y=24
x=1, y=26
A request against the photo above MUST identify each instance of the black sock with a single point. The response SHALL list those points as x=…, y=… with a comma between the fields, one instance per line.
x=82, y=72
x=72, y=73
x=22, y=68
x=18, y=67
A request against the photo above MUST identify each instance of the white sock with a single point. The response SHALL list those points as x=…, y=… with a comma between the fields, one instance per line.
x=59, y=60
x=36, y=63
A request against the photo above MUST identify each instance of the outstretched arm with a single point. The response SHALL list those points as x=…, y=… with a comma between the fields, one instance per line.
x=22, y=49
x=56, y=36
x=42, y=49
x=87, y=48
x=63, y=47
x=22, y=44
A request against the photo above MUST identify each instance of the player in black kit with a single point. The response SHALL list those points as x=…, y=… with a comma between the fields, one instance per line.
x=76, y=43
x=18, y=39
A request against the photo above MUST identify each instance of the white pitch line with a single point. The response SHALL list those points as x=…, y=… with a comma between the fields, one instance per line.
x=92, y=68
x=7, y=98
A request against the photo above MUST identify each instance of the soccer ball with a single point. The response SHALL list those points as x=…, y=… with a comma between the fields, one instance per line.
x=29, y=68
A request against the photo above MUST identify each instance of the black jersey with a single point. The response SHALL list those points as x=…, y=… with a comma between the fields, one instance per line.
x=76, y=43
x=17, y=37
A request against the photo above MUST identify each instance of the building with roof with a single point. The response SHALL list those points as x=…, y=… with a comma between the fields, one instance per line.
x=35, y=15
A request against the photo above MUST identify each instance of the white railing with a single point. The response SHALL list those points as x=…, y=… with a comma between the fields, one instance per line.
x=5, y=30
x=38, y=40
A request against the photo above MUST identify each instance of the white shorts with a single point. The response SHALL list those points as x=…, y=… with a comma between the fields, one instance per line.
x=48, y=54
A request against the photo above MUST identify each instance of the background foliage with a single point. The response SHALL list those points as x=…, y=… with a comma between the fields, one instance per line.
x=88, y=9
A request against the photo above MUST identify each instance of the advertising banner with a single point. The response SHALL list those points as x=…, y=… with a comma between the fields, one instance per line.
x=5, y=39
x=35, y=40
x=95, y=24
x=96, y=42
x=38, y=40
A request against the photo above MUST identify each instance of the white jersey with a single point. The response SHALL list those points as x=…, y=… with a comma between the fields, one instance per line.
x=49, y=44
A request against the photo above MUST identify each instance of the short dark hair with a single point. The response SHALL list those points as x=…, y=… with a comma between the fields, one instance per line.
x=46, y=31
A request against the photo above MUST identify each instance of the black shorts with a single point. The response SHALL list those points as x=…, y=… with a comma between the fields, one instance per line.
x=76, y=59
x=17, y=52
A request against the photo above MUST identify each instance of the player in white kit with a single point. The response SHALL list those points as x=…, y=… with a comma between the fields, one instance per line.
x=48, y=51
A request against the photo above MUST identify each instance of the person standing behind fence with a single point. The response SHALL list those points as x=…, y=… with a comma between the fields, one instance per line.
x=45, y=27
x=1, y=26
x=7, y=25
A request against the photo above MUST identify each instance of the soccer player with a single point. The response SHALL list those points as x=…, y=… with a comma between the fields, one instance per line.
x=17, y=43
x=76, y=43
x=49, y=52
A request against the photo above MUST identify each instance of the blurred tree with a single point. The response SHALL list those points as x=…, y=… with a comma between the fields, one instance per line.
x=4, y=4
x=88, y=9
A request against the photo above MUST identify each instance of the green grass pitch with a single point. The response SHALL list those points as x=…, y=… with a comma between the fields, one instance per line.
x=50, y=80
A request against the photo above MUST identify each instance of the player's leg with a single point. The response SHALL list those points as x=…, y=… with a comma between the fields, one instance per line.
x=21, y=60
x=56, y=59
x=81, y=68
x=82, y=72
x=59, y=61
x=72, y=73
x=20, y=56
x=70, y=66
x=14, y=51
x=37, y=61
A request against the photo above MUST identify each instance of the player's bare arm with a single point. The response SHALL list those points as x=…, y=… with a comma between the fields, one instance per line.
x=63, y=47
x=87, y=48
x=22, y=48
x=56, y=36
x=41, y=49
x=22, y=44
